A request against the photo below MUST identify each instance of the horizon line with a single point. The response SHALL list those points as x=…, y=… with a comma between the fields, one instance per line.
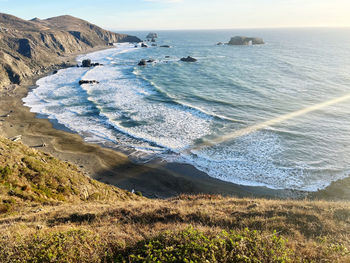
x=237, y=28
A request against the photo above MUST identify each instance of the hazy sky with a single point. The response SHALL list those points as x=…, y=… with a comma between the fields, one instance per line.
x=189, y=14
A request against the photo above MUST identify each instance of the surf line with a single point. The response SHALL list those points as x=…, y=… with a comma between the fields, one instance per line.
x=263, y=125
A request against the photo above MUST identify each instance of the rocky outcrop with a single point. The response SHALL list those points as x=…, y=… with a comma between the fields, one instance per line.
x=81, y=82
x=142, y=62
x=240, y=41
x=24, y=47
x=86, y=63
x=152, y=35
x=188, y=59
x=31, y=47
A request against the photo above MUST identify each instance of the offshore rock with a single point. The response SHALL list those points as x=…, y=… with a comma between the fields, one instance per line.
x=86, y=63
x=152, y=35
x=189, y=59
x=142, y=63
x=81, y=82
x=245, y=41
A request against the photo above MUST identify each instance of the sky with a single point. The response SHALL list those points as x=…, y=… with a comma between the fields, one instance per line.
x=189, y=14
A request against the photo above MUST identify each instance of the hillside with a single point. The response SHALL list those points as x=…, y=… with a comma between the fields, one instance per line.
x=51, y=212
x=31, y=178
x=33, y=47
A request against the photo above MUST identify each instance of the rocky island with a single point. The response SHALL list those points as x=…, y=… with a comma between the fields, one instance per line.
x=152, y=35
x=245, y=41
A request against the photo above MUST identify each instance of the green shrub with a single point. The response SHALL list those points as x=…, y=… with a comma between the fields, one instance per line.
x=68, y=246
x=138, y=193
x=5, y=208
x=5, y=172
x=194, y=246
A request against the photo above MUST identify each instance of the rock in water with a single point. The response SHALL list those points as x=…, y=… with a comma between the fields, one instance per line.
x=166, y=46
x=81, y=82
x=142, y=62
x=189, y=59
x=143, y=45
x=244, y=41
x=86, y=63
x=152, y=35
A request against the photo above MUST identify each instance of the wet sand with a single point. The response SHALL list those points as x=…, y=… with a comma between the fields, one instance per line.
x=157, y=179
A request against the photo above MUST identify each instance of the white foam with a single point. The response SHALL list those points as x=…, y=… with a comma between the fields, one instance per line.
x=155, y=126
x=247, y=161
x=170, y=126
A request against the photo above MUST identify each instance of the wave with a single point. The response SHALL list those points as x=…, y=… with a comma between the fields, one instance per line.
x=171, y=99
x=163, y=121
x=128, y=110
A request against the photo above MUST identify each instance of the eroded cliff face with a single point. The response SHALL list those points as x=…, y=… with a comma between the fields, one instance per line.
x=31, y=47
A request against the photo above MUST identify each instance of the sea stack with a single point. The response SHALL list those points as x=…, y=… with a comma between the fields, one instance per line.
x=142, y=62
x=152, y=35
x=245, y=41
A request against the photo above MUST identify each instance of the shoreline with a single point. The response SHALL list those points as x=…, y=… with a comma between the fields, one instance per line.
x=156, y=179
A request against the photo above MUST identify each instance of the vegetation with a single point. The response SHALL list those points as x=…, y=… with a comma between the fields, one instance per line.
x=51, y=212
x=31, y=178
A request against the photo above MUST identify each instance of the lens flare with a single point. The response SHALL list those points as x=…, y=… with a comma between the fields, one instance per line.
x=263, y=125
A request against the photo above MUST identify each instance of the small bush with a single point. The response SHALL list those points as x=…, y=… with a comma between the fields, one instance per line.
x=5, y=172
x=138, y=193
x=5, y=208
x=194, y=246
x=69, y=246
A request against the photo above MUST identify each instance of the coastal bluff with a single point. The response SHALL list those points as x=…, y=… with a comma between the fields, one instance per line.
x=29, y=48
x=245, y=41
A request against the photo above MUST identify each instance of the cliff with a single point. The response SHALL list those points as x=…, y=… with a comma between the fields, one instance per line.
x=31, y=47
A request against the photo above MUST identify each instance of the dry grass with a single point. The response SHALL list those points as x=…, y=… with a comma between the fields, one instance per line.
x=31, y=178
x=316, y=231
x=71, y=226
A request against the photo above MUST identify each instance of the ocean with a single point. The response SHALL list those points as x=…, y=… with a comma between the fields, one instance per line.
x=169, y=109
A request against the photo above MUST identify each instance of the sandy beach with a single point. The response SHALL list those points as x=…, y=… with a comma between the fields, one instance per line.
x=157, y=179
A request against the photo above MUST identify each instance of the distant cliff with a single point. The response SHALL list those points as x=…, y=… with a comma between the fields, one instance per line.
x=30, y=47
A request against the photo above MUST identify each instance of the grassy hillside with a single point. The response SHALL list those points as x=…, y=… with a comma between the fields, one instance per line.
x=51, y=212
x=32, y=178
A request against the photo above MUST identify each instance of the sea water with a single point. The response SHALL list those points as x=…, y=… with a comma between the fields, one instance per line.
x=168, y=108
